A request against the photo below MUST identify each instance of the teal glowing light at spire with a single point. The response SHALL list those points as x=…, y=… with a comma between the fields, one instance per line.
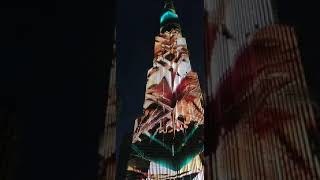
x=169, y=19
x=168, y=15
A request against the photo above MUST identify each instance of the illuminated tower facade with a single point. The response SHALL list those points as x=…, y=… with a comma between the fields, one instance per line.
x=260, y=119
x=167, y=139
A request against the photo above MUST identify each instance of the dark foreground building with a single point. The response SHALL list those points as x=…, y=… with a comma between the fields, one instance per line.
x=9, y=138
x=260, y=120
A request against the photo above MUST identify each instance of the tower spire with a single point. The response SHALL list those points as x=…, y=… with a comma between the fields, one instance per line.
x=168, y=4
x=169, y=18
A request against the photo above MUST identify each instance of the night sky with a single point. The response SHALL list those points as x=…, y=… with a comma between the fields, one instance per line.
x=138, y=23
x=54, y=61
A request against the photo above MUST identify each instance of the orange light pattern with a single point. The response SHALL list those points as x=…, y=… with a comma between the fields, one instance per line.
x=168, y=138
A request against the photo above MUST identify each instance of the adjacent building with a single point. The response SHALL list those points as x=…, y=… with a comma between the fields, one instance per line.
x=107, y=148
x=260, y=123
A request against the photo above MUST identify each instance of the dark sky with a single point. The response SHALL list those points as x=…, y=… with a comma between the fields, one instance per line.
x=304, y=18
x=138, y=24
x=54, y=59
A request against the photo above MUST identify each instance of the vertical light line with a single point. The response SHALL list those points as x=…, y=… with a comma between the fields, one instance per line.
x=255, y=90
x=303, y=117
x=273, y=138
x=292, y=105
x=247, y=72
x=244, y=146
x=285, y=164
x=291, y=139
x=264, y=161
x=305, y=89
x=286, y=156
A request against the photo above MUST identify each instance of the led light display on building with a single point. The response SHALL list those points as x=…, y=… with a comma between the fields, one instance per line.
x=259, y=112
x=168, y=138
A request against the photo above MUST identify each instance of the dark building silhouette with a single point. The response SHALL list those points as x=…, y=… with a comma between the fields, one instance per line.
x=260, y=120
x=9, y=138
x=107, y=147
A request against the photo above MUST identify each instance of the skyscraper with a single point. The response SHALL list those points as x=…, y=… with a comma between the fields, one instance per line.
x=260, y=117
x=107, y=147
x=167, y=139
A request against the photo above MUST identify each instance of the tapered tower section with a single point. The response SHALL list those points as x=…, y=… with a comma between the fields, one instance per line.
x=167, y=139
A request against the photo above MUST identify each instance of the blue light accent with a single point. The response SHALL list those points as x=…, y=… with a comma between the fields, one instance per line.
x=159, y=142
x=167, y=15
